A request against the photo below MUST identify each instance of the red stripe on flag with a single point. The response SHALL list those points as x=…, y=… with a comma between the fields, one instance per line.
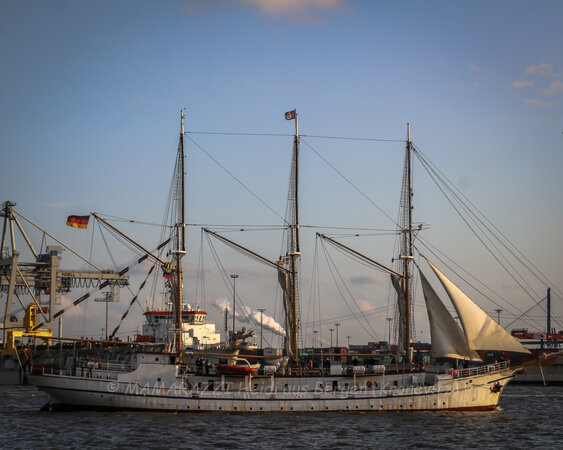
x=78, y=221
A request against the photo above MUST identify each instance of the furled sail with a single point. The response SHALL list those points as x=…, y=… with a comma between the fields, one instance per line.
x=481, y=331
x=290, y=321
x=448, y=340
x=398, y=285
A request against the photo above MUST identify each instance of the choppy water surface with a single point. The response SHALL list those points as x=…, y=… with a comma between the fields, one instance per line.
x=529, y=416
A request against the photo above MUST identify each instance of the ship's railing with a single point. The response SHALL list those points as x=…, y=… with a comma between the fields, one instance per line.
x=115, y=366
x=91, y=369
x=83, y=373
x=482, y=369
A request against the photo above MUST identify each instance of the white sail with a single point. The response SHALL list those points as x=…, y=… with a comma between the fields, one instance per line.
x=448, y=340
x=481, y=331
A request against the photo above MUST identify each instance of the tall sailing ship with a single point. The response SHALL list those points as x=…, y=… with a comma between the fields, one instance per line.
x=168, y=380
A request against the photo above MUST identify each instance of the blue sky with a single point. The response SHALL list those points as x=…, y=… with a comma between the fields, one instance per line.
x=91, y=92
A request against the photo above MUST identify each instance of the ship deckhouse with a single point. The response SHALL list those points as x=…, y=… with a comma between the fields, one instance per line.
x=197, y=333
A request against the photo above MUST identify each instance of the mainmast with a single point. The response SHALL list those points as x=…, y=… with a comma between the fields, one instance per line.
x=180, y=249
x=295, y=253
x=407, y=255
x=288, y=277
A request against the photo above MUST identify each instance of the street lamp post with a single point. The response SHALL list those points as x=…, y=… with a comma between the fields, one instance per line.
x=331, y=330
x=348, y=342
x=261, y=313
x=337, y=325
x=315, y=338
x=108, y=297
x=234, y=277
x=498, y=315
x=389, y=319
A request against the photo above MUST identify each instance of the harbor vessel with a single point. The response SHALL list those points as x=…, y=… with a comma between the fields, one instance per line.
x=167, y=379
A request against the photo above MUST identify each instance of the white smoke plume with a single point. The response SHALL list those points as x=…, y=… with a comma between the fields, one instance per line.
x=268, y=323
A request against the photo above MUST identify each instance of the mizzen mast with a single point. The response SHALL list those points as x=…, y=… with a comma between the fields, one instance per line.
x=407, y=253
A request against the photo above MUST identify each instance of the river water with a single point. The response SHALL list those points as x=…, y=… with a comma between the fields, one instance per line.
x=528, y=416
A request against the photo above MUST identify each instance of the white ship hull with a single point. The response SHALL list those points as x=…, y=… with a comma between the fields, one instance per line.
x=164, y=391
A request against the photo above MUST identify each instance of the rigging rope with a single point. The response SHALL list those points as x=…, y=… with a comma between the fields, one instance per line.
x=350, y=182
x=331, y=265
x=545, y=279
x=224, y=276
x=236, y=179
x=133, y=300
x=138, y=222
x=432, y=175
x=463, y=278
x=103, y=285
x=217, y=133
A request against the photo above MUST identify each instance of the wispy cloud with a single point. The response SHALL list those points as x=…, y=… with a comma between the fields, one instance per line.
x=522, y=84
x=366, y=280
x=75, y=312
x=364, y=305
x=298, y=10
x=533, y=101
x=58, y=205
x=538, y=76
x=555, y=88
x=302, y=10
x=473, y=67
x=543, y=69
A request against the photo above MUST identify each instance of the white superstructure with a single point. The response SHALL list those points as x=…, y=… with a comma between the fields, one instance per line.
x=197, y=333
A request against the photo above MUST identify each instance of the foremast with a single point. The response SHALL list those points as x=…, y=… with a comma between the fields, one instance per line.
x=179, y=240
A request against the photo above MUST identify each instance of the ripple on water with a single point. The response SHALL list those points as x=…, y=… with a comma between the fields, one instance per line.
x=528, y=416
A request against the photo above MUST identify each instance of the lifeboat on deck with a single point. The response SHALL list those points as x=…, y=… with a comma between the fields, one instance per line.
x=234, y=369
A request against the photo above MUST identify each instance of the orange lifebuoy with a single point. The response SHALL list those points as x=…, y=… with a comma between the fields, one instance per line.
x=369, y=383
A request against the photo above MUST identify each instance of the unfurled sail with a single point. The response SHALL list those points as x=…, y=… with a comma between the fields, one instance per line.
x=481, y=331
x=448, y=340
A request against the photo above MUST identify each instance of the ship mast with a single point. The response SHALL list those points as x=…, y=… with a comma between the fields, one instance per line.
x=407, y=255
x=295, y=252
x=288, y=264
x=180, y=249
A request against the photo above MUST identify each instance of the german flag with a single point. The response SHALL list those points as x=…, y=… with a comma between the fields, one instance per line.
x=78, y=221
